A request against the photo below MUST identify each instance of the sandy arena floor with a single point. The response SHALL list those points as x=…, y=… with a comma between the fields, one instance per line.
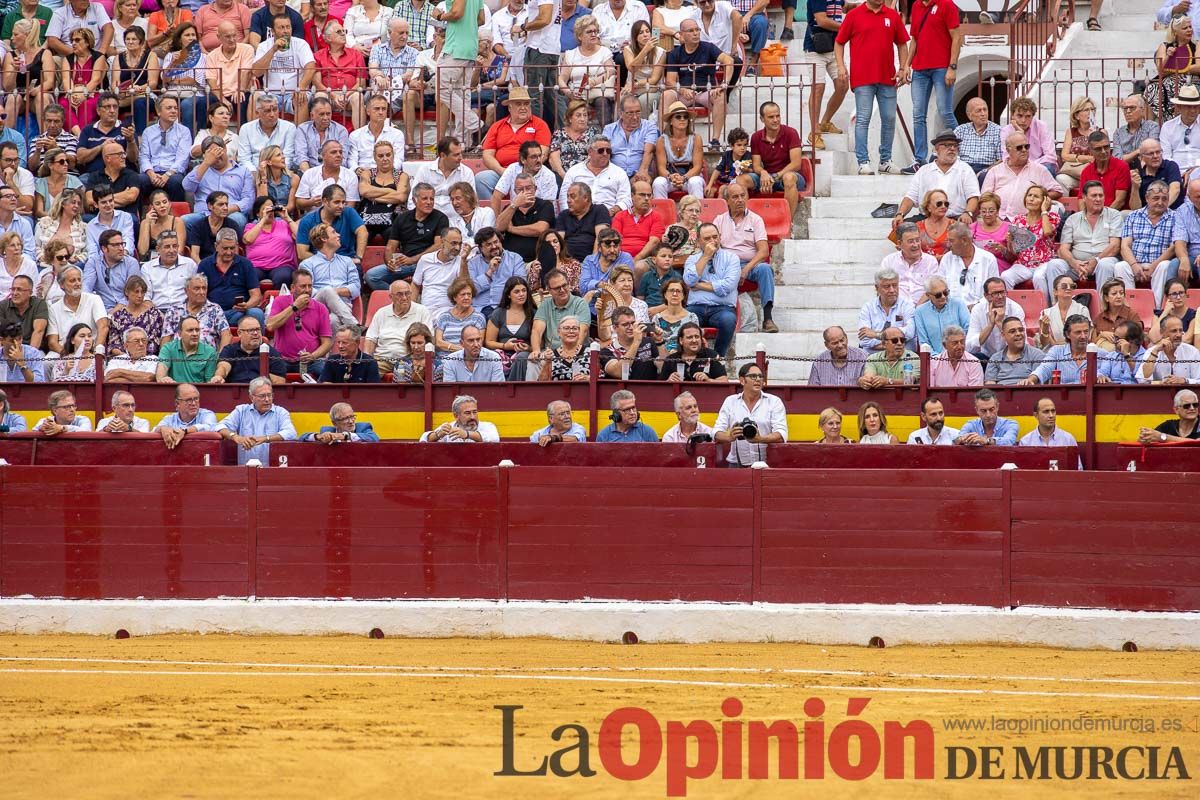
x=227, y=716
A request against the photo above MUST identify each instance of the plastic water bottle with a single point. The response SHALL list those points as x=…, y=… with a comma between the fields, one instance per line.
x=1054, y=465
x=908, y=374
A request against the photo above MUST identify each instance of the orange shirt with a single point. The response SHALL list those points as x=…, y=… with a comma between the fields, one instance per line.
x=507, y=141
x=223, y=73
x=343, y=72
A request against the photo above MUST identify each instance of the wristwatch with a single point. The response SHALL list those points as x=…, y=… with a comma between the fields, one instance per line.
x=953, y=67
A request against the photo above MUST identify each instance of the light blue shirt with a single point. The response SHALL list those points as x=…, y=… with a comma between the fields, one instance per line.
x=338, y=272
x=902, y=315
x=8, y=134
x=252, y=141
x=628, y=149
x=490, y=291
x=1187, y=225
x=931, y=322
x=487, y=368
x=244, y=420
x=641, y=432
x=1059, y=438
x=1005, y=433
x=108, y=281
x=122, y=221
x=169, y=153
x=204, y=420
x=1059, y=358
x=591, y=274
x=308, y=141
x=15, y=422
x=23, y=226
x=34, y=359
x=576, y=430
x=1117, y=369
x=236, y=181
x=723, y=271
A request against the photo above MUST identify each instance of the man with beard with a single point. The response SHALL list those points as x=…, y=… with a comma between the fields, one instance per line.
x=687, y=411
x=933, y=414
x=466, y=427
x=1013, y=365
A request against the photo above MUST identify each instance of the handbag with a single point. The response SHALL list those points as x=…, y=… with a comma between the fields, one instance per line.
x=822, y=40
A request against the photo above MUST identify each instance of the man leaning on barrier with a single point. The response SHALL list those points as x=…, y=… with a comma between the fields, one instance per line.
x=124, y=418
x=627, y=425
x=253, y=426
x=561, y=426
x=345, y=428
x=189, y=417
x=466, y=426
x=988, y=427
x=63, y=417
x=1181, y=429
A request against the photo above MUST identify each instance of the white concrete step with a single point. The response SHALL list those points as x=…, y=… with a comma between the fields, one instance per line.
x=836, y=251
x=819, y=273
x=827, y=209
x=813, y=319
x=880, y=187
x=822, y=297
x=849, y=228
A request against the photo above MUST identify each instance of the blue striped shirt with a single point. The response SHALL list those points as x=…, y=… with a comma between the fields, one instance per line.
x=246, y=421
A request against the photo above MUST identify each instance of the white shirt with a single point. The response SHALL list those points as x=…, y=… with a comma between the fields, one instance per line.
x=921, y=436
x=1187, y=364
x=312, y=183
x=28, y=268
x=959, y=183
x=91, y=310
x=503, y=22
x=614, y=31
x=1171, y=139
x=78, y=425
x=167, y=284
x=430, y=173
x=994, y=342
x=487, y=432
x=545, y=40
x=434, y=277
x=673, y=436
x=25, y=182
x=720, y=27
x=139, y=425
x=360, y=150
x=253, y=141
x=609, y=188
x=982, y=267
x=387, y=330
x=283, y=73
x=546, y=185
x=768, y=413
x=145, y=364
x=362, y=32
x=483, y=217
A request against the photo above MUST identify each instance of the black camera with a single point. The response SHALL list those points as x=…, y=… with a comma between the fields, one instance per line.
x=749, y=428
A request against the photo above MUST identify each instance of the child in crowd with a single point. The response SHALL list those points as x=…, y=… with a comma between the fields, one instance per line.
x=734, y=161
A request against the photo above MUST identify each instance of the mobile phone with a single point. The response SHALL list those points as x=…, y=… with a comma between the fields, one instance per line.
x=241, y=298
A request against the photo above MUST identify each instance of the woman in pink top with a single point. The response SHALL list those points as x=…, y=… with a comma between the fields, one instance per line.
x=990, y=232
x=271, y=242
x=1042, y=223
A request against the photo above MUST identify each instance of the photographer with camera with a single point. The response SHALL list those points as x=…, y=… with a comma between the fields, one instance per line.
x=751, y=420
x=627, y=425
x=632, y=352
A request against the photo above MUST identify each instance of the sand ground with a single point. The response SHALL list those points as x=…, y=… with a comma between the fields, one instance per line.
x=291, y=717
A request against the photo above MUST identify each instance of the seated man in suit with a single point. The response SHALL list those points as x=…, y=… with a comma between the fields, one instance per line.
x=345, y=428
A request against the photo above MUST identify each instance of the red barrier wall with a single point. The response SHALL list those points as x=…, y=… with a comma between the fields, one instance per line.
x=984, y=537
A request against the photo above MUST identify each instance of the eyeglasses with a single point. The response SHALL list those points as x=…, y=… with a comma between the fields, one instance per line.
x=65, y=407
x=1020, y=148
x=562, y=287
x=1129, y=108
x=603, y=149
x=941, y=204
x=1189, y=406
x=754, y=376
x=1176, y=294
x=938, y=295
x=345, y=419
x=78, y=39
x=189, y=400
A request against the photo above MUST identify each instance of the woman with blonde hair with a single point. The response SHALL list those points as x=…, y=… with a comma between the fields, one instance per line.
x=1177, y=67
x=273, y=179
x=687, y=219
x=872, y=425
x=830, y=423
x=935, y=228
x=1076, y=153
x=12, y=251
x=65, y=222
x=29, y=71
x=587, y=73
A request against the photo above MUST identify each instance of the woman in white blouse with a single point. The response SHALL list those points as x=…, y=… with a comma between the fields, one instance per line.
x=367, y=25
x=12, y=251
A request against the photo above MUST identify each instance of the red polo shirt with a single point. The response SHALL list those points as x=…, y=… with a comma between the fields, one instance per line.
x=341, y=72
x=507, y=141
x=777, y=154
x=931, y=27
x=872, y=37
x=636, y=232
x=1115, y=179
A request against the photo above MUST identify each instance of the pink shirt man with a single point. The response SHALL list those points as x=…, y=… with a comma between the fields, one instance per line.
x=741, y=237
x=314, y=324
x=1011, y=186
x=912, y=276
x=967, y=372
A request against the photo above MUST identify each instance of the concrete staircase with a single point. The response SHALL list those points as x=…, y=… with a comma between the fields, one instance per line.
x=826, y=276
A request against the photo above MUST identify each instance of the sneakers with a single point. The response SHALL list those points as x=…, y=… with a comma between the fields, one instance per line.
x=865, y=169
x=829, y=127
x=886, y=210
x=714, y=145
x=888, y=168
x=787, y=35
x=911, y=170
x=817, y=141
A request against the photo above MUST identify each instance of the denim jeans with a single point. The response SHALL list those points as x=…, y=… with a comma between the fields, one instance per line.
x=764, y=276
x=723, y=318
x=924, y=83
x=233, y=316
x=380, y=278
x=757, y=31
x=864, y=97
x=541, y=76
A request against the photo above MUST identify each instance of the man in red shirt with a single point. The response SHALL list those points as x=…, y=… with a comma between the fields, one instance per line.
x=502, y=144
x=872, y=30
x=936, y=38
x=1113, y=173
x=641, y=227
x=776, y=154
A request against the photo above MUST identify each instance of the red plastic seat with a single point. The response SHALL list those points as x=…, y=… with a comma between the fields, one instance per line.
x=666, y=210
x=476, y=164
x=776, y=214
x=378, y=299
x=1093, y=302
x=372, y=257
x=180, y=208
x=1071, y=204
x=711, y=208
x=806, y=172
x=268, y=296
x=1032, y=302
x=1142, y=301
x=747, y=286
x=1193, y=300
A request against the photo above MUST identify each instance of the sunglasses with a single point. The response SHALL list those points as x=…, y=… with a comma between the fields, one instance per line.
x=1020, y=148
x=55, y=161
x=938, y=295
x=603, y=149
x=941, y=204
x=895, y=340
x=1187, y=135
x=1189, y=405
